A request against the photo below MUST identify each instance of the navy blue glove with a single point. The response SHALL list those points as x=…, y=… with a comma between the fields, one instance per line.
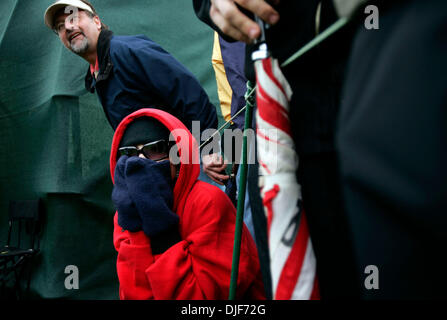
x=149, y=184
x=128, y=217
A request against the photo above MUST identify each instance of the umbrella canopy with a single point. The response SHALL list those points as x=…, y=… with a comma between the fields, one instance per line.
x=292, y=259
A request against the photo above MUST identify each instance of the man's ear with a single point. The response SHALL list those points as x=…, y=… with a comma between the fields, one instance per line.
x=97, y=21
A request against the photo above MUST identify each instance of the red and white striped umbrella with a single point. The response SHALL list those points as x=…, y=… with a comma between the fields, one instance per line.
x=292, y=259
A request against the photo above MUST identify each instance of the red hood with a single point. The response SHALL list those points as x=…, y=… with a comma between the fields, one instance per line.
x=187, y=145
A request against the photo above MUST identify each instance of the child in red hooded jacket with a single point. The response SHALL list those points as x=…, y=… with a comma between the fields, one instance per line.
x=174, y=234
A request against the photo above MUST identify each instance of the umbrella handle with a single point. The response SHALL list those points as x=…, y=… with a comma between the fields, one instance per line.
x=262, y=51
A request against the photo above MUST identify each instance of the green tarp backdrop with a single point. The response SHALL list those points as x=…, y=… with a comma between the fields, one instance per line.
x=55, y=139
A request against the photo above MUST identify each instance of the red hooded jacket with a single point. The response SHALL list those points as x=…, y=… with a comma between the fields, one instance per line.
x=199, y=266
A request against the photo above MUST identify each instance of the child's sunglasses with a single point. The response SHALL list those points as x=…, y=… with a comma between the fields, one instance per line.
x=155, y=151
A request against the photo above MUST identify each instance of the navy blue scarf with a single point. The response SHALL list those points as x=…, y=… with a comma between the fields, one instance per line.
x=143, y=195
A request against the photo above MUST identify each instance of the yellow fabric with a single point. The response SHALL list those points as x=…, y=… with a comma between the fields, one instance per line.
x=224, y=90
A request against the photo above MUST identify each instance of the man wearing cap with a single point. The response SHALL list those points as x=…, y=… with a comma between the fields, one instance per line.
x=130, y=72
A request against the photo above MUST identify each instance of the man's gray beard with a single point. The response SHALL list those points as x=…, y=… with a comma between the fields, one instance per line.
x=80, y=48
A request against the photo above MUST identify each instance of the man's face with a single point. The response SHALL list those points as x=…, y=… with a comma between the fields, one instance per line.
x=79, y=33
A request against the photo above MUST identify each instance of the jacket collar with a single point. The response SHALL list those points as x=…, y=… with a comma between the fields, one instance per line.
x=105, y=64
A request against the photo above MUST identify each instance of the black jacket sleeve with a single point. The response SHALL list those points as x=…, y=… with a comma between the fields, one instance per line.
x=152, y=68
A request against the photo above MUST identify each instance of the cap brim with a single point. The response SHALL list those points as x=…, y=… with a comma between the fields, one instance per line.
x=54, y=8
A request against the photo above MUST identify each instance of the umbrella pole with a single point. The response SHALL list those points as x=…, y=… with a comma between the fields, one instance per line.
x=241, y=195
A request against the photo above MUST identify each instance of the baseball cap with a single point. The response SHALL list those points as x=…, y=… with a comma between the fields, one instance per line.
x=55, y=7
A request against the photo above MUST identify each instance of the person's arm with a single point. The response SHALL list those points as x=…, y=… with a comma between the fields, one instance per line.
x=161, y=74
x=152, y=69
x=226, y=17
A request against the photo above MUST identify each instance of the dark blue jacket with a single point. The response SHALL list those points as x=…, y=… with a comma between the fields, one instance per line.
x=135, y=73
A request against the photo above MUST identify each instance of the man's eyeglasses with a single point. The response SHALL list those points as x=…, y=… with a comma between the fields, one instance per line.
x=155, y=151
x=59, y=27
